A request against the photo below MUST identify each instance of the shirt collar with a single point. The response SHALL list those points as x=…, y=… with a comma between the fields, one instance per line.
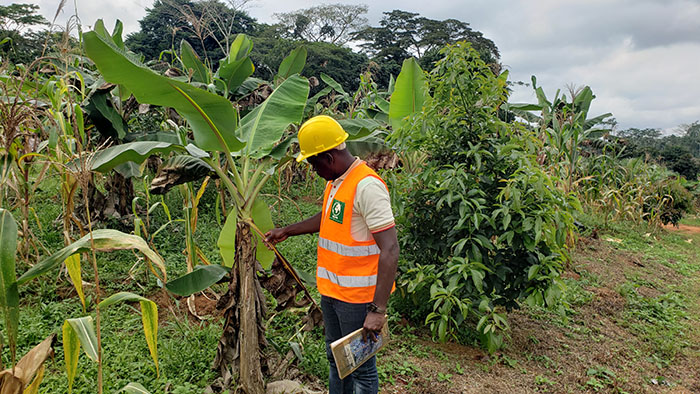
x=354, y=165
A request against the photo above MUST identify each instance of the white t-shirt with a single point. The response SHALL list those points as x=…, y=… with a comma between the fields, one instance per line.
x=371, y=210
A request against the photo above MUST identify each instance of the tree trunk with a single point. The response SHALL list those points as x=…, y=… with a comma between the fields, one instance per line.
x=240, y=347
x=116, y=202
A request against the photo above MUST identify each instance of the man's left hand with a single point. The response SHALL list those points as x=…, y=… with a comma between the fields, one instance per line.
x=373, y=326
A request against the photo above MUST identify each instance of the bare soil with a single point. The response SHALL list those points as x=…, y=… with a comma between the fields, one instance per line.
x=683, y=227
x=546, y=354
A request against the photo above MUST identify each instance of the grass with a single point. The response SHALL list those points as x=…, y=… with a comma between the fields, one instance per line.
x=659, y=314
x=691, y=221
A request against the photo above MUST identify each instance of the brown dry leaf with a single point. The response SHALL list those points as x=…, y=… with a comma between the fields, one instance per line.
x=313, y=318
x=26, y=368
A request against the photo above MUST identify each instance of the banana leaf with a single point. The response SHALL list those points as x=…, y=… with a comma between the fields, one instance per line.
x=148, y=87
x=262, y=127
x=409, y=94
x=292, y=64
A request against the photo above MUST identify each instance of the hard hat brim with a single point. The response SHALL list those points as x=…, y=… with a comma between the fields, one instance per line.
x=301, y=157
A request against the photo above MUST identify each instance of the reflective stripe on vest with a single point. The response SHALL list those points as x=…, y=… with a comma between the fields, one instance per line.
x=347, y=281
x=349, y=251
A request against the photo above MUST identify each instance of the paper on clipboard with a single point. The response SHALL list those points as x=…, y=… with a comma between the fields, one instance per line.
x=350, y=352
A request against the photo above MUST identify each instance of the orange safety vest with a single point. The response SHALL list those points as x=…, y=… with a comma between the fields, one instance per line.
x=347, y=269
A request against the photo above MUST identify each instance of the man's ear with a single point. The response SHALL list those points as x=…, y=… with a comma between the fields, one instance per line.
x=330, y=158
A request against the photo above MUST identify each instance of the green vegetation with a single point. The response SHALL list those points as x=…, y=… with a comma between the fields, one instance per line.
x=532, y=242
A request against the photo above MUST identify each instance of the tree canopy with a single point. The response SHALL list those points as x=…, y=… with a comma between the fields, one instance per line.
x=680, y=153
x=207, y=25
x=19, y=42
x=333, y=23
x=403, y=34
x=341, y=63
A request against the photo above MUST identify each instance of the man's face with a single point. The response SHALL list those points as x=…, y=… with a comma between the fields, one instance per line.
x=321, y=164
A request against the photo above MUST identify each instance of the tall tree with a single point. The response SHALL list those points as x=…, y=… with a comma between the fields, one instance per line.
x=340, y=63
x=333, y=23
x=19, y=41
x=17, y=17
x=207, y=25
x=403, y=34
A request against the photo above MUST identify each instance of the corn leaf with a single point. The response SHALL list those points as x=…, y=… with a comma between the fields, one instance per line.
x=263, y=220
x=134, y=388
x=105, y=240
x=30, y=369
x=84, y=329
x=9, y=295
x=201, y=277
x=73, y=266
x=149, y=317
x=116, y=66
x=34, y=387
x=409, y=93
x=227, y=239
x=71, y=351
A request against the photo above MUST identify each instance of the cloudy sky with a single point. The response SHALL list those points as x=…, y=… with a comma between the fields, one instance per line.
x=640, y=57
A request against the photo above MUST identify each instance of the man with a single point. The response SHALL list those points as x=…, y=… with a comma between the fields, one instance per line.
x=357, y=248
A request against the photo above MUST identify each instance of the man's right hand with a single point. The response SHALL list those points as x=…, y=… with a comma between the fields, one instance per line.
x=276, y=235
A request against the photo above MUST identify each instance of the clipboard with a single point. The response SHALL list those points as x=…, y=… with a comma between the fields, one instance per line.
x=350, y=352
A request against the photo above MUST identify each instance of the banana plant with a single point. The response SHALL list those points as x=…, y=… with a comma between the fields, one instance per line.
x=244, y=154
x=565, y=125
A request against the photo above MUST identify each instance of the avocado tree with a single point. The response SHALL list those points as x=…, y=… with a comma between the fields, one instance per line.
x=244, y=152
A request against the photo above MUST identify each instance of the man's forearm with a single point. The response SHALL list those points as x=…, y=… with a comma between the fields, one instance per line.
x=386, y=273
x=388, y=262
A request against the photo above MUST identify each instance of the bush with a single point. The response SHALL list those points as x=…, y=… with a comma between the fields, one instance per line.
x=482, y=225
x=678, y=201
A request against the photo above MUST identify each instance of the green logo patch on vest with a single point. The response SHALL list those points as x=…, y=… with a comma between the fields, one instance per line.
x=337, y=210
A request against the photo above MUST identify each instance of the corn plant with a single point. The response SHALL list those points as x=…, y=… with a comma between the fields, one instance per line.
x=20, y=134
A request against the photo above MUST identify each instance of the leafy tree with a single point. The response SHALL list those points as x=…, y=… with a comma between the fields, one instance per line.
x=202, y=23
x=340, y=63
x=691, y=134
x=17, y=17
x=679, y=153
x=333, y=23
x=18, y=42
x=679, y=159
x=403, y=34
x=482, y=224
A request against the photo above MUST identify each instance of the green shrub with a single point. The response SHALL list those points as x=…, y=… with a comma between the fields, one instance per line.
x=482, y=225
x=678, y=201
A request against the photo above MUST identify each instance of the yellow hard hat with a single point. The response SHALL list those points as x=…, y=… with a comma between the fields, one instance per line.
x=319, y=134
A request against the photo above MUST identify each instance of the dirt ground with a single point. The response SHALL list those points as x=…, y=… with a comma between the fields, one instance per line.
x=546, y=354
x=593, y=350
x=683, y=228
